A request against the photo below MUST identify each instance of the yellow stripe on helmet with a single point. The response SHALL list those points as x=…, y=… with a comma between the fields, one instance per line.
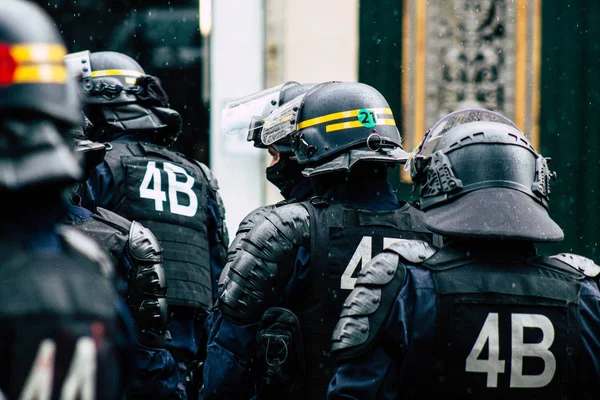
x=356, y=124
x=38, y=53
x=339, y=115
x=116, y=72
x=45, y=73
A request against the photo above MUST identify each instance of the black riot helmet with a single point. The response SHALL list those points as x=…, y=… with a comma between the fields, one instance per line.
x=481, y=177
x=121, y=98
x=335, y=125
x=38, y=101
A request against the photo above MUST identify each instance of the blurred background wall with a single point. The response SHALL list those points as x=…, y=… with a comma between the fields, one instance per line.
x=536, y=61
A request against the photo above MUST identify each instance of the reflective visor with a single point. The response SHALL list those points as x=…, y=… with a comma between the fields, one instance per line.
x=282, y=122
x=452, y=120
x=240, y=116
x=457, y=118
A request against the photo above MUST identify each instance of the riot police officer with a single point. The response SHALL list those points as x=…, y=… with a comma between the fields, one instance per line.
x=140, y=280
x=284, y=171
x=142, y=180
x=483, y=317
x=60, y=327
x=284, y=290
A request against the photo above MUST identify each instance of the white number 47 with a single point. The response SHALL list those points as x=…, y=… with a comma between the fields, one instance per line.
x=362, y=255
x=493, y=366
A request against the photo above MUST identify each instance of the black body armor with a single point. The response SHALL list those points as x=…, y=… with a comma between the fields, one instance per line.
x=168, y=194
x=507, y=323
x=341, y=240
x=147, y=284
x=252, y=219
x=58, y=317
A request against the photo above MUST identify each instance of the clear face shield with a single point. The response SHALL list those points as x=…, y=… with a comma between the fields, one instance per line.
x=246, y=116
x=450, y=121
x=283, y=122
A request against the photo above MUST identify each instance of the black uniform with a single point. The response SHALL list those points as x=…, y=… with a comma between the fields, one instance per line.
x=142, y=180
x=486, y=323
x=63, y=332
x=59, y=321
x=142, y=284
x=484, y=317
x=285, y=173
x=178, y=218
x=285, y=287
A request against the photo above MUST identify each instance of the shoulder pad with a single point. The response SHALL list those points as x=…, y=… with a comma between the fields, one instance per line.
x=380, y=270
x=88, y=248
x=113, y=218
x=580, y=263
x=367, y=308
x=253, y=218
x=413, y=251
x=284, y=202
x=143, y=245
x=252, y=278
x=208, y=174
x=275, y=236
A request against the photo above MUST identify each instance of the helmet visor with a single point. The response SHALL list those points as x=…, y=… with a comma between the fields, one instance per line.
x=283, y=121
x=457, y=118
x=243, y=116
x=450, y=121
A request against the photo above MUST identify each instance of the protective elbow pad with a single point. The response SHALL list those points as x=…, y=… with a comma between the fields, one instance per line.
x=258, y=272
x=148, y=287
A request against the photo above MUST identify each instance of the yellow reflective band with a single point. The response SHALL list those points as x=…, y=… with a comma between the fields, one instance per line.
x=131, y=81
x=40, y=74
x=38, y=53
x=116, y=72
x=339, y=115
x=356, y=124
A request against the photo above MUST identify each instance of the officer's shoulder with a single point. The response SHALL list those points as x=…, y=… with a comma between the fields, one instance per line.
x=287, y=210
x=392, y=262
x=88, y=248
x=206, y=173
x=582, y=264
x=368, y=306
x=254, y=217
x=66, y=283
x=143, y=245
x=412, y=251
x=112, y=218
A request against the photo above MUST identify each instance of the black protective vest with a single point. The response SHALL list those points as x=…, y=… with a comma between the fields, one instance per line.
x=168, y=194
x=109, y=230
x=343, y=240
x=507, y=327
x=61, y=300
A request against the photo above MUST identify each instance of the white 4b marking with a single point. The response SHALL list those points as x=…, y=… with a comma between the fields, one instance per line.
x=362, y=255
x=80, y=381
x=490, y=333
x=155, y=193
